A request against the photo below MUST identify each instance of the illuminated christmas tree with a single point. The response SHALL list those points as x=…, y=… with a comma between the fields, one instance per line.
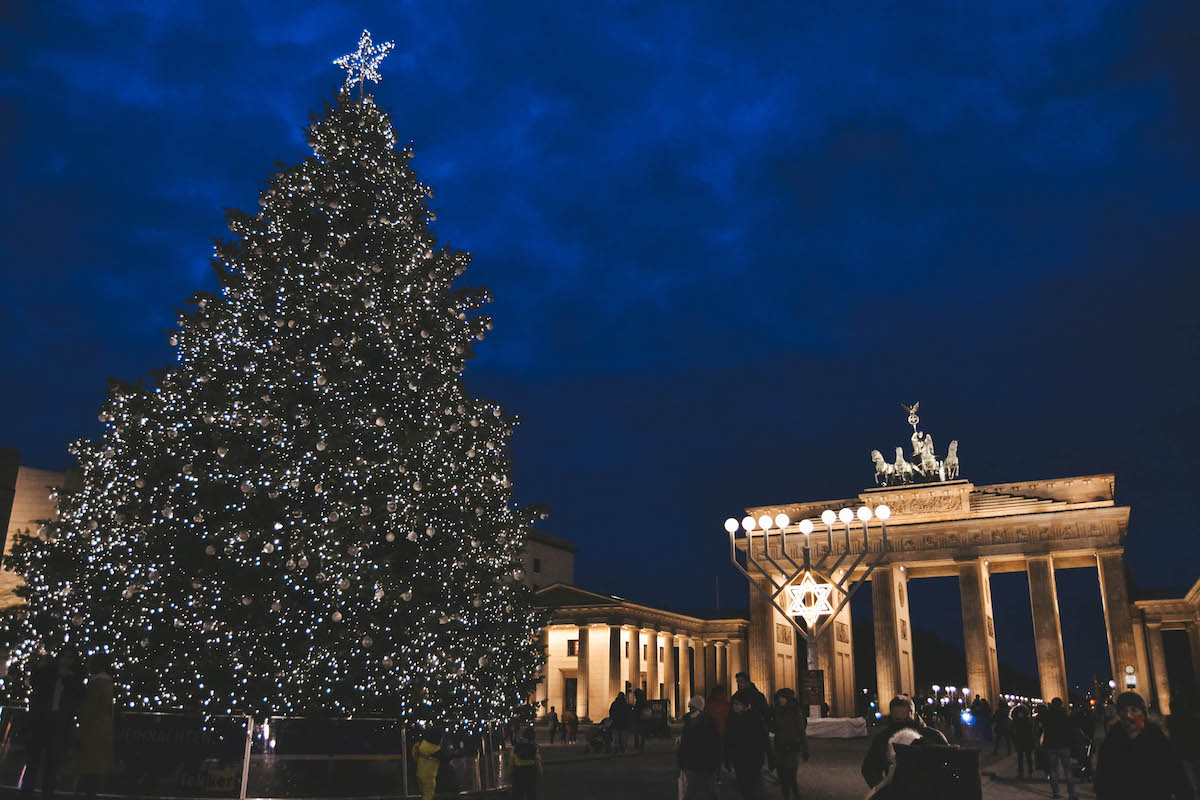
x=308, y=513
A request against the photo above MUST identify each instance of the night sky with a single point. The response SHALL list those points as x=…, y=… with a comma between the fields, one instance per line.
x=726, y=241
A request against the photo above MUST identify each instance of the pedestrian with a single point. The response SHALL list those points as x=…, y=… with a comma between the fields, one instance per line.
x=525, y=763
x=1137, y=760
x=791, y=741
x=1024, y=738
x=1057, y=739
x=717, y=707
x=427, y=754
x=750, y=696
x=746, y=746
x=552, y=719
x=641, y=719
x=902, y=726
x=620, y=717
x=1002, y=722
x=572, y=726
x=699, y=755
x=55, y=691
x=96, y=755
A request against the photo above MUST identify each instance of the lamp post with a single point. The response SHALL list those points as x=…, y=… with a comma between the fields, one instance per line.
x=809, y=587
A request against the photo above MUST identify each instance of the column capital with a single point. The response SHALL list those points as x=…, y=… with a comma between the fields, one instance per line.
x=1156, y=625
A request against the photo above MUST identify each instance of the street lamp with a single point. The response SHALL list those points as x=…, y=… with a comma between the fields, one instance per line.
x=813, y=589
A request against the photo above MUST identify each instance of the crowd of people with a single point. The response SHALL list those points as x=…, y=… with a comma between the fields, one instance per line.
x=732, y=735
x=70, y=715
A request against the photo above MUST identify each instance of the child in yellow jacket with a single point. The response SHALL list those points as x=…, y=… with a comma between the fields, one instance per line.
x=427, y=755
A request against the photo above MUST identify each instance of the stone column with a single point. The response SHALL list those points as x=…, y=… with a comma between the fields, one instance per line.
x=635, y=657
x=685, y=678
x=1142, y=676
x=737, y=662
x=836, y=648
x=1115, y=595
x=670, y=682
x=1193, y=632
x=1158, y=663
x=762, y=639
x=979, y=631
x=581, y=674
x=542, y=692
x=599, y=670
x=700, y=668
x=722, y=678
x=1047, y=628
x=652, y=665
x=893, y=638
x=615, y=654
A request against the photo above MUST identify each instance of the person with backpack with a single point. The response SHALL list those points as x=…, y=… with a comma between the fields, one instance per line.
x=525, y=762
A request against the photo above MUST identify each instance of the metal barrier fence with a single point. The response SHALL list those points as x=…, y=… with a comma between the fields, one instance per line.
x=193, y=757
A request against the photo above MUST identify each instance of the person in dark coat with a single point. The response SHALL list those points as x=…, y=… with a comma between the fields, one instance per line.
x=1002, y=725
x=749, y=695
x=620, y=716
x=1136, y=759
x=1024, y=738
x=641, y=719
x=901, y=716
x=1058, y=736
x=1183, y=726
x=791, y=741
x=699, y=755
x=55, y=692
x=746, y=746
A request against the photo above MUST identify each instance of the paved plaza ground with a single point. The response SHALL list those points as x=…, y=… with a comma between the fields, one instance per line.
x=832, y=774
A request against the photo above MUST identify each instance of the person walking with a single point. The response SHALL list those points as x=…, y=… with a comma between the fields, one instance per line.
x=55, y=691
x=791, y=741
x=751, y=697
x=572, y=726
x=552, y=720
x=525, y=763
x=1024, y=738
x=620, y=717
x=1137, y=760
x=1058, y=735
x=1002, y=722
x=746, y=746
x=427, y=754
x=902, y=719
x=641, y=719
x=699, y=754
x=95, y=756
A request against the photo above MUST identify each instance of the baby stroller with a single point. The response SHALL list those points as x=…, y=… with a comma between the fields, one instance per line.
x=600, y=740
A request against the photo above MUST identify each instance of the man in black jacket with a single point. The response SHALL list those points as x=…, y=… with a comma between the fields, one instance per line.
x=1137, y=760
x=1058, y=734
x=699, y=753
x=901, y=714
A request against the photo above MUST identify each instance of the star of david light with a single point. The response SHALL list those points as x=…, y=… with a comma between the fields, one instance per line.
x=810, y=600
x=363, y=66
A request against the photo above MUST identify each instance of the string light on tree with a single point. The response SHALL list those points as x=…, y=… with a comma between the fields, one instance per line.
x=303, y=514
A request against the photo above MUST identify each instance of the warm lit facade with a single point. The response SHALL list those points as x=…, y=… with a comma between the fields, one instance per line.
x=598, y=645
x=1150, y=619
x=24, y=500
x=954, y=528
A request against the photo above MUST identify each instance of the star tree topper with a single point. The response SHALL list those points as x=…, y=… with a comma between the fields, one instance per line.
x=363, y=66
x=810, y=600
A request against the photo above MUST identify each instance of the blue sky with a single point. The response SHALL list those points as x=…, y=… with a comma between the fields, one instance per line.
x=726, y=240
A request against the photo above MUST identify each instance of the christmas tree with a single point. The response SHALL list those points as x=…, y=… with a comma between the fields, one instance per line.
x=308, y=513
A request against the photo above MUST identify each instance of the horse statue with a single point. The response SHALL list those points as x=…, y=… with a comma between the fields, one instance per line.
x=902, y=469
x=884, y=472
x=952, y=461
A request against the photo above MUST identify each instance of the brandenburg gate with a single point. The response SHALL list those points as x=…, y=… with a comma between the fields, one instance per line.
x=937, y=525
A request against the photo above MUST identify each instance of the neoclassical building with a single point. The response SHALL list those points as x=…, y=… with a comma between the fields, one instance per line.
x=598, y=645
x=1151, y=618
